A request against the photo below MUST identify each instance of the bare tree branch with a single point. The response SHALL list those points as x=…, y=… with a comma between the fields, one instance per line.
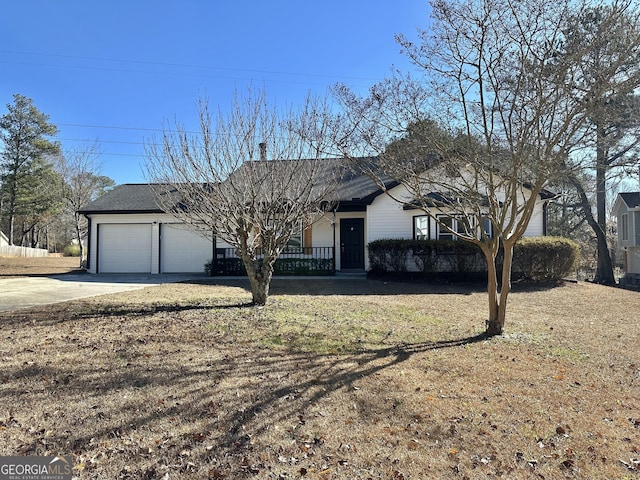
x=497, y=119
x=253, y=176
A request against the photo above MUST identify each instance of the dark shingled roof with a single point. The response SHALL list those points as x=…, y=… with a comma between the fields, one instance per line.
x=356, y=189
x=632, y=199
x=354, y=193
x=130, y=197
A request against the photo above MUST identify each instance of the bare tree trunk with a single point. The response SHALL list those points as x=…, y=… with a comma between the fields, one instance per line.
x=498, y=301
x=260, y=274
x=604, y=271
x=505, y=286
x=12, y=222
x=259, y=287
x=492, y=286
x=604, y=267
x=79, y=239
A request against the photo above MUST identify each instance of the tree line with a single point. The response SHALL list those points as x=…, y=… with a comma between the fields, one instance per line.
x=41, y=185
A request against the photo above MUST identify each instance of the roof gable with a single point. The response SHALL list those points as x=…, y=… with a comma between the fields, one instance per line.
x=631, y=199
x=126, y=198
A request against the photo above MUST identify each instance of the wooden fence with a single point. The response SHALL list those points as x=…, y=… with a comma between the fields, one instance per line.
x=15, y=251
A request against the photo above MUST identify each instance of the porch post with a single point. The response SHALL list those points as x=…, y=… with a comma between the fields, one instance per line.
x=214, y=261
x=333, y=224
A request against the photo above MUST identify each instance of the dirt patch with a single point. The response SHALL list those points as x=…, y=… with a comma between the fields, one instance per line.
x=37, y=266
x=333, y=379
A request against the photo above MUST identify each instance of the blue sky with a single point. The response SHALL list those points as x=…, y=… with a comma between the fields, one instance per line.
x=113, y=71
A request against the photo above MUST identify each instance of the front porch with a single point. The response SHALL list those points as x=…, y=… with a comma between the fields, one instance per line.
x=300, y=261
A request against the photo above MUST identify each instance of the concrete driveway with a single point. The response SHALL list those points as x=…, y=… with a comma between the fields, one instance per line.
x=24, y=292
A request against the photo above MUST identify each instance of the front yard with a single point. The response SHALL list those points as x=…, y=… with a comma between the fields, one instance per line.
x=333, y=379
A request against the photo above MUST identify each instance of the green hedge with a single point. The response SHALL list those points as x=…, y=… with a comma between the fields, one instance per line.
x=71, y=251
x=426, y=256
x=538, y=259
x=545, y=258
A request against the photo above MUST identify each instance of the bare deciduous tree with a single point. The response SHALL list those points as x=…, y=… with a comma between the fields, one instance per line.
x=220, y=179
x=495, y=84
x=79, y=171
x=610, y=69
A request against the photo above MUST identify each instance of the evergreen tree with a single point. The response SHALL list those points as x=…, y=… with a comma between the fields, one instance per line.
x=24, y=168
x=613, y=127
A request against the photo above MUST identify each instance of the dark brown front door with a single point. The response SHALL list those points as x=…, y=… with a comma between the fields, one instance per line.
x=351, y=243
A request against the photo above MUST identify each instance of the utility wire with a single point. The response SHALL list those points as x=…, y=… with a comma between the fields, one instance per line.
x=187, y=65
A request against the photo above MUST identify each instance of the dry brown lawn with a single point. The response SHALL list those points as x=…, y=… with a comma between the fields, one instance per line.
x=24, y=266
x=332, y=380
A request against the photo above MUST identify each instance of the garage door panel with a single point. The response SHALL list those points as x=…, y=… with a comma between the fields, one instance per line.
x=124, y=248
x=183, y=250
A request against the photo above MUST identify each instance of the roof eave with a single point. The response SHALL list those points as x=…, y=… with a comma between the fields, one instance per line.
x=109, y=212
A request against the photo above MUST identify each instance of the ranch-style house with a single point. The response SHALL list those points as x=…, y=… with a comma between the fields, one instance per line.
x=129, y=233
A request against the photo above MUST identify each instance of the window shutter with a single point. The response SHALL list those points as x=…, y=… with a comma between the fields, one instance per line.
x=307, y=240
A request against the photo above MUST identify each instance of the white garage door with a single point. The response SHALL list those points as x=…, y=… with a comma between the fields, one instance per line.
x=124, y=248
x=182, y=250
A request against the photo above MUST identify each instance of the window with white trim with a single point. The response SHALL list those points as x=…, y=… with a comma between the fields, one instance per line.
x=487, y=227
x=455, y=224
x=624, y=226
x=421, y=227
x=294, y=244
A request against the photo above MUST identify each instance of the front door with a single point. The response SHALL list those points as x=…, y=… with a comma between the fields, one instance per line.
x=351, y=243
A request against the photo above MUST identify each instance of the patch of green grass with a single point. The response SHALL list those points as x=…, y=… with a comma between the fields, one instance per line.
x=567, y=353
x=318, y=326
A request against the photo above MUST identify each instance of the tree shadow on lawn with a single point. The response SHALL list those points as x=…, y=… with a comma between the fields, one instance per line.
x=352, y=286
x=370, y=286
x=225, y=396
x=69, y=311
x=52, y=274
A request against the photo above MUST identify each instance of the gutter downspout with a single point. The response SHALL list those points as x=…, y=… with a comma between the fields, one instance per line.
x=87, y=265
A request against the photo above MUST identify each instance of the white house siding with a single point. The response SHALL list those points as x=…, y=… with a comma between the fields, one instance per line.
x=155, y=246
x=633, y=260
x=322, y=231
x=628, y=242
x=388, y=219
x=536, y=224
x=632, y=242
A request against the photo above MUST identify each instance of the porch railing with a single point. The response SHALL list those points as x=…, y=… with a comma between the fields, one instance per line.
x=299, y=261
